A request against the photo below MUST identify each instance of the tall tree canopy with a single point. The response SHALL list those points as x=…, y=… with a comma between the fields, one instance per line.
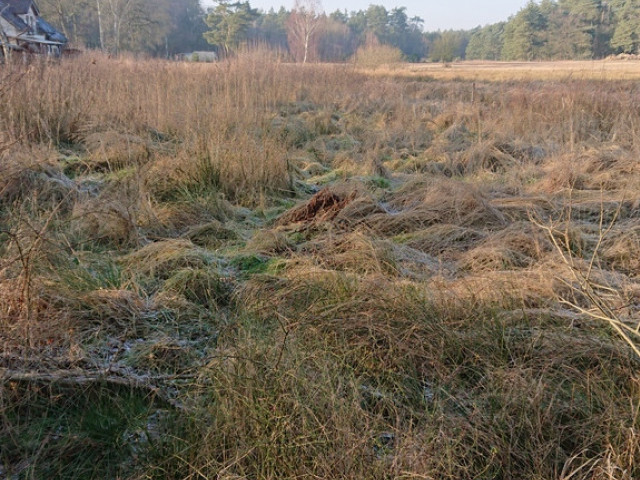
x=524, y=34
x=229, y=24
x=626, y=36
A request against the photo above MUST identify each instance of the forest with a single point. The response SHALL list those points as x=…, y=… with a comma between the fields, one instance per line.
x=547, y=30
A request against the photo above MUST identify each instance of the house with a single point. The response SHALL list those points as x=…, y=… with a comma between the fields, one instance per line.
x=23, y=29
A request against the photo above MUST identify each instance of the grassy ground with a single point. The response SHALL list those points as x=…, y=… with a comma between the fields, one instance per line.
x=257, y=270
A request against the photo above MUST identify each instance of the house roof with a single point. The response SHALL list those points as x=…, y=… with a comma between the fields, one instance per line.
x=49, y=31
x=21, y=7
x=9, y=14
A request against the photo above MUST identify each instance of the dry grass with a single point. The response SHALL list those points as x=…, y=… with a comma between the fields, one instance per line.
x=603, y=70
x=254, y=270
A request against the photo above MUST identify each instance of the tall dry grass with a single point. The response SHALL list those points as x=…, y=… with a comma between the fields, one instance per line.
x=221, y=115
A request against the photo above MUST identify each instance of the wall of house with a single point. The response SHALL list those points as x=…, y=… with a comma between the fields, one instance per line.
x=9, y=30
x=29, y=18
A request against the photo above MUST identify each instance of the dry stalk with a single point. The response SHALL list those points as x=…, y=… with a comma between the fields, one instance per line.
x=599, y=296
x=26, y=257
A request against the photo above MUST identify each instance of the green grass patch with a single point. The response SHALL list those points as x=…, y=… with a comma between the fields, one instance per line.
x=67, y=432
x=254, y=264
x=379, y=182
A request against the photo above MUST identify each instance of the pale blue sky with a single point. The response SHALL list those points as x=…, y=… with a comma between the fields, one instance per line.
x=437, y=14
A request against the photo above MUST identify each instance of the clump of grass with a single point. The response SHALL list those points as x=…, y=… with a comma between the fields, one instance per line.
x=190, y=177
x=88, y=271
x=271, y=242
x=428, y=202
x=212, y=234
x=354, y=252
x=623, y=251
x=250, y=263
x=358, y=211
x=524, y=238
x=563, y=173
x=31, y=174
x=486, y=156
x=117, y=213
x=323, y=206
x=483, y=258
x=159, y=260
x=203, y=286
x=287, y=430
x=443, y=240
x=110, y=150
x=99, y=313
x=467, y=369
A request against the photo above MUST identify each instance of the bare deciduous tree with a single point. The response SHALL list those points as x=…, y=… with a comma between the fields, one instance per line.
x=303, y=26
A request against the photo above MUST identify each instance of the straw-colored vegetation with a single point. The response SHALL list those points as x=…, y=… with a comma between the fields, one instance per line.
x=603, y=70
x=252, y=270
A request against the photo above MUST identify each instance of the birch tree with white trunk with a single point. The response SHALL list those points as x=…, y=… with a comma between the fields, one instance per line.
x=303, y=26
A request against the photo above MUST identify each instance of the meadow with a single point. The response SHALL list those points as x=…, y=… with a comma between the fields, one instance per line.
x=259, y=270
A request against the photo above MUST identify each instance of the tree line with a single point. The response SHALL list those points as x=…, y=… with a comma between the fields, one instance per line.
x=168, y=27
x=562, y=29
x=548, y=29
x=155, y=27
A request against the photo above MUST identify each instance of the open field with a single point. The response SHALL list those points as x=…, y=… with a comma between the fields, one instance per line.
x=251, y=270
x=610, y=69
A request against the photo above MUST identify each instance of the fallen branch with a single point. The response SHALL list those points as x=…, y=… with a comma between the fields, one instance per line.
x=107, y=376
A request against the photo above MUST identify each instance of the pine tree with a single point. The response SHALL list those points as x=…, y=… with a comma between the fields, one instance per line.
x=486, y=43
x=524, y=34
x=229, y=23
x=626, y=36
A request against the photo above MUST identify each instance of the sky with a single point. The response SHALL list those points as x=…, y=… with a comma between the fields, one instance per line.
x=437, y=14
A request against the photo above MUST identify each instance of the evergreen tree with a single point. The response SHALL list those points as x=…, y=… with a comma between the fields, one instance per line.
x=524, y=34
x=187, y=27
x=270, y=28
x=229, y=24
x=486, y=43
x=377, y=19
x=626, y=36
x=406, y=34
x=579, y=24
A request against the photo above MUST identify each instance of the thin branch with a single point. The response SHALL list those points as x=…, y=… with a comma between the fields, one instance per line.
x=593, y=292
